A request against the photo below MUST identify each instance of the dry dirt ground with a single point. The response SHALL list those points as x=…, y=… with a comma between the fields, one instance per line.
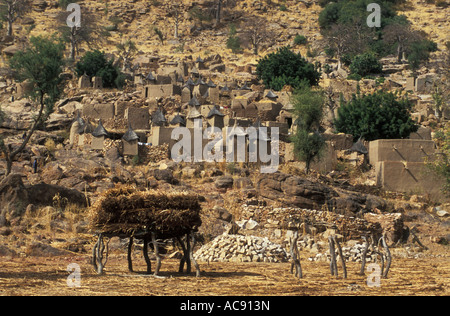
x=48, y=276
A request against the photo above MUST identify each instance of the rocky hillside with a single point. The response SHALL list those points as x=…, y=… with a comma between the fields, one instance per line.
x=69, y=178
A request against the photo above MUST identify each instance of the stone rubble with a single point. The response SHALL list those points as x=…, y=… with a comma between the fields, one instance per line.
x=239, y=248
x=353, y=253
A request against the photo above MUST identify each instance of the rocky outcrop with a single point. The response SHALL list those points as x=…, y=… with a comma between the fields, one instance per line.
x=295, y=191
x=15, y=196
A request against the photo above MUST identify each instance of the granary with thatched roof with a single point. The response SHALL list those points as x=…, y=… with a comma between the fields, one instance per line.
x=130, y=142
x=193, y=114
x=147, y=215
x=178, y=121
x=99, y=135
x=158, y=118
x=215, y=117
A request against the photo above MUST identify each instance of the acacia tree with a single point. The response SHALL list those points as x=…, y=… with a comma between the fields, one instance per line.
x=256, y=33
x=219, y=6
x=86, y=33
x=11, y=10
x=339, y=39
x=401, y=34
x=127, y=50
x=41, y=65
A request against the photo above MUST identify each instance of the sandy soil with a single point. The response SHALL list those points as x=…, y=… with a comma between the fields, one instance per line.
x=48, y=276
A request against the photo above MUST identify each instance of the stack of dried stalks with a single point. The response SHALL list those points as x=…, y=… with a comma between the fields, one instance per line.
x=125, y=210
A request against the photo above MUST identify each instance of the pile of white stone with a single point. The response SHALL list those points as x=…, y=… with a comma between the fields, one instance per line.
x=352, y=253
x=239, y=248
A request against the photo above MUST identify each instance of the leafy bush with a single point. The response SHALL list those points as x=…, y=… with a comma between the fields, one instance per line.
x=419, y=51
x=95, y=64
x=365, y=64
x=286, y=68
x=354, y=77
x=233, y=41
x=377, y=116
x=300, y=40
x=349, y=11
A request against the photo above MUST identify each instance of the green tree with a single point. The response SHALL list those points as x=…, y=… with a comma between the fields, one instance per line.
x=41, y=65
x=365, y=64
x=376, y=116
x=309, y=109
x=419, y=52
x=95, y=63
x=160, y=34
x=233, y=41
x=286, y=68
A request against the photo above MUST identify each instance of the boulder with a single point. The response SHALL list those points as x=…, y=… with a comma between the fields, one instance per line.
x=299, y=192
x=294, y=190
x=38, y=249
x=164, y=175
x=15, y=196
x=7, y=252
x=222, y=214
x=224, y=182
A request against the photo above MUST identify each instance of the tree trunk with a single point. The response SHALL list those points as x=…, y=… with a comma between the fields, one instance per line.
x=72, y=47
x=308, y=165
x=191, y=256
x=8, y=166
x=333, y=265
x=11, y=155
x=10, y=29
x=255, y=49
x=146, y=257
x=176, y=23
x=344, y=268
x=399, y=52
x=363, y=259
x=219, y=9
x=295, y=256
x=130, y=260
x=158, y=257
x=388, y=257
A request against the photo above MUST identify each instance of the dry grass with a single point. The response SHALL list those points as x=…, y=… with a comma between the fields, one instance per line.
x=124, y=209
x=32, y=276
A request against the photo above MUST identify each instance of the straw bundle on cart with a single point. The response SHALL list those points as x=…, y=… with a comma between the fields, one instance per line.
x=127, y=211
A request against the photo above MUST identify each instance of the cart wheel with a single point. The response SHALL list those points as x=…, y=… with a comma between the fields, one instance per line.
x=99, y=257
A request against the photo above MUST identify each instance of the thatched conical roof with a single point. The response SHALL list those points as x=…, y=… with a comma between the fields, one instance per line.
x=178, y=119
x=130, y=135
x=214, y=112
x=158, y=117
x=100, y=130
